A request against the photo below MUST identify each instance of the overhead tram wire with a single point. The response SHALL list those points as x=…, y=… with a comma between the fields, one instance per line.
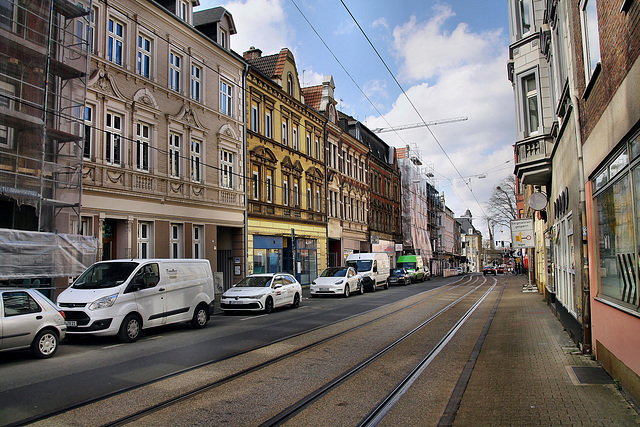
x=411, y=103
x=362, y=91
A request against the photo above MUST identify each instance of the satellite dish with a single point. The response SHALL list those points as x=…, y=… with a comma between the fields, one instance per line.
x=538, y=201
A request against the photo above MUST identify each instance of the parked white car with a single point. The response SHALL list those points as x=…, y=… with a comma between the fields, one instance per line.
x=262, y=292
x=337, y=280
x=28, y=319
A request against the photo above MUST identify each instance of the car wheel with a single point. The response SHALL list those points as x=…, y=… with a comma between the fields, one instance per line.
x=386, y=285
x=45, y=344
x=130, y=329
x=345, y=293
x=296, y=301
x=373, y=287
x=200, y=317
x=360, y=287
x=268, y=305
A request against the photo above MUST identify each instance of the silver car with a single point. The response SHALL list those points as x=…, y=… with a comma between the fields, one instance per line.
x=28, y=319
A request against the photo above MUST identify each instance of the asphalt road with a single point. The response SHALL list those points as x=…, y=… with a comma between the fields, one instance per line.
x=86, y=368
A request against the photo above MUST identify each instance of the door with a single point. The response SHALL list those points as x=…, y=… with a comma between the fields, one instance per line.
x=21, y=318
x=108, y=240
x=279, y=291
x=150, y=295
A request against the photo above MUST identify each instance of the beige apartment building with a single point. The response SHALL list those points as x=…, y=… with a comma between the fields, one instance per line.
x=163, y=152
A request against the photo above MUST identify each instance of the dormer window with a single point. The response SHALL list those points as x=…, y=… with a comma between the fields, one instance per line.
x=183, y=11
x=222, y=39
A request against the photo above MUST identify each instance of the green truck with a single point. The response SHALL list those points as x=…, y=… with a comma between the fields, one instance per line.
x=414, y=265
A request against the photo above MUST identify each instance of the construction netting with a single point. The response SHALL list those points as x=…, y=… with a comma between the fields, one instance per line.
x=30, y=254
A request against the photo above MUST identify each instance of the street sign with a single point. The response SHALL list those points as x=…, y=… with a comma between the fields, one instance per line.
x=522, y=234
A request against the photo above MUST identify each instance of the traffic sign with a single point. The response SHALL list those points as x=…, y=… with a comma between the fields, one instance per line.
x=522, y=233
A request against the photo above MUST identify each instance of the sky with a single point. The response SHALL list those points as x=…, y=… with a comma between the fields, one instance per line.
x=433, y=60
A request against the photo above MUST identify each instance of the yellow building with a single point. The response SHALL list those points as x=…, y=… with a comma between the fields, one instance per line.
x=287, y=217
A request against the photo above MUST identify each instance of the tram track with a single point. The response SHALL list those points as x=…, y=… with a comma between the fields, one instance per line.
x=194, y=392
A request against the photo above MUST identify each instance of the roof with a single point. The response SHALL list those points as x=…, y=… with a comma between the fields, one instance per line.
x=272, y=65
x=312, y=96
x=211, y=16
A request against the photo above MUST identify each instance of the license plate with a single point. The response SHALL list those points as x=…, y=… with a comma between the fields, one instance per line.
x=71, y=323
x=235, y=302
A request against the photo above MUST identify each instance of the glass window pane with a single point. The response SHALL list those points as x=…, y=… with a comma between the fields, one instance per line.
x=615, y=229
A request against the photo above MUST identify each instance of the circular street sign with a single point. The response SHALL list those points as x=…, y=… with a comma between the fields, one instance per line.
x=537, y=201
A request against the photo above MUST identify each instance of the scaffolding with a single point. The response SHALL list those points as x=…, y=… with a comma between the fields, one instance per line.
x=415, y=207
x=44, y=60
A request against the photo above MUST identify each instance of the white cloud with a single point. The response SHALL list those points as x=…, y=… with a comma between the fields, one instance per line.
x=268, y=15
x=345, y=28
x=454, y=74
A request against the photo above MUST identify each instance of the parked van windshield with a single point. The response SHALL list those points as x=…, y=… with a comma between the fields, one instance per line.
x=255, y=282
x=408, y=265
x=107, y=275
x=360, y=265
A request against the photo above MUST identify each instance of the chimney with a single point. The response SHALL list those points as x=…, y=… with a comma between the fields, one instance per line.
x=252, y=53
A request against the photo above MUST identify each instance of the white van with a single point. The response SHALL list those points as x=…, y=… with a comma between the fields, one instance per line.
x=372, y=267
x=122, y=297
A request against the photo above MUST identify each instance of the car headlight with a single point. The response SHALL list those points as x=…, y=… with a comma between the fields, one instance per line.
x=104, y=302
x=339, y=282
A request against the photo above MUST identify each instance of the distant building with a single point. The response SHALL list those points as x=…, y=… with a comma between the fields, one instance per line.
x=470, y=244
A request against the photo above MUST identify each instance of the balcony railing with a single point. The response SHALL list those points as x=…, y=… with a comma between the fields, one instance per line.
x=271, y=210
x=533, y=159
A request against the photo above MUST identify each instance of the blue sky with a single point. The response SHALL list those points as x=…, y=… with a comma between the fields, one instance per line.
x=449, y=57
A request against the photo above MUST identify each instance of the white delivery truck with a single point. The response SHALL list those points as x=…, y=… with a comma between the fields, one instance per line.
x=123, y=297
x=372, y=267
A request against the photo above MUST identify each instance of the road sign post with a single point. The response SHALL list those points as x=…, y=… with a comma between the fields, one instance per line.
x=523, y=236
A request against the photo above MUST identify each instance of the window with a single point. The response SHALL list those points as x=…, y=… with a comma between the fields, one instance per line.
x=196, y=82
x=113, y=137
x=183, y=10
x=255, y=117
x=143, y=132
x=309, y=196
x=88, y=132
x=296, y=192
x=175, y=241
x=144, y=240
x=175, y=72
x=174, y=154
x=308, y=144
x=198, y=239
x=83, y=228
x=226, y=92
x=268, y=124
x=617, y=203
x=318, y=149
x=269, y=189
x=223, y=39
x=226, y=169
x=285, y=131
x=530, y=92
x=289, y=84
x=318, y=201
x=590, y=37
x=294, y=137
x=196, y=173
x=255, y=184
x=115, y=42
x=144, y=56
x=285, y=190
x=525, y=17
x=17, y=303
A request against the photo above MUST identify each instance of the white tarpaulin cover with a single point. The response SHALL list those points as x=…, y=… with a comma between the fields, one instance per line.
x=29, y=254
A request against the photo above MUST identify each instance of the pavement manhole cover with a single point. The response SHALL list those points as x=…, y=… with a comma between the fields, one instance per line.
x=591, y=375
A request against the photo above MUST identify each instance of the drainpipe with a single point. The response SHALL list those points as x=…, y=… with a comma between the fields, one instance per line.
x=584, y=249
x=244, y=173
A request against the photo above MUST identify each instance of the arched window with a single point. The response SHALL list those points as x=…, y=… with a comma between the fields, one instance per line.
x=290, y=84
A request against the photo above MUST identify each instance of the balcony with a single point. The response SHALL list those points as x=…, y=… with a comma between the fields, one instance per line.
x=533, y=159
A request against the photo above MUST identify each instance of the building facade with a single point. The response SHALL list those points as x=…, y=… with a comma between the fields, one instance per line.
x=385, y=232
x=163, y=150
x=44, y=56
x=574, y=66
x=347, y=191
x=287, y=209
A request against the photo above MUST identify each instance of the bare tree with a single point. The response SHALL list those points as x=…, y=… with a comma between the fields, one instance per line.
x=501, y=206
